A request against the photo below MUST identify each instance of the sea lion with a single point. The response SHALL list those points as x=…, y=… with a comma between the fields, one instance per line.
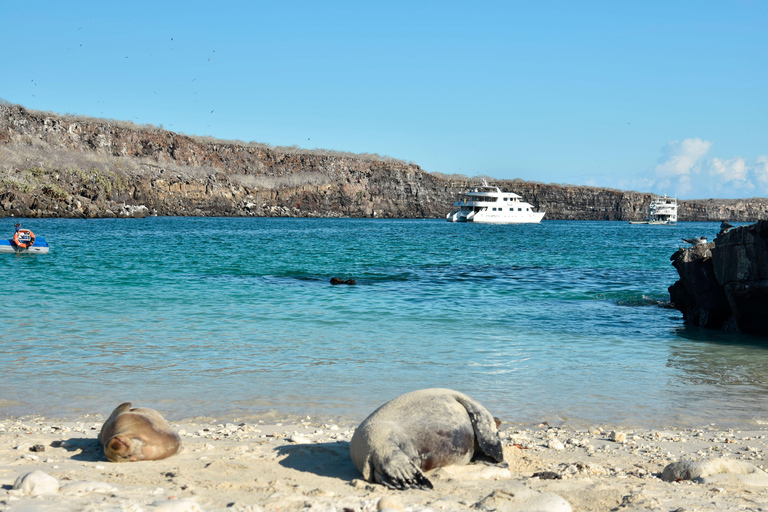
x=420, y=431
x=138, y=434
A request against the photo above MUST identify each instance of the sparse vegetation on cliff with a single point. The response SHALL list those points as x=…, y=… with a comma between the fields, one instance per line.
x=75, y=166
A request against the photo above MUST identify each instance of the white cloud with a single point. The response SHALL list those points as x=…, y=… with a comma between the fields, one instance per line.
x=760, y=171
x=679, y=158
x=725, y=174
x=683, y=170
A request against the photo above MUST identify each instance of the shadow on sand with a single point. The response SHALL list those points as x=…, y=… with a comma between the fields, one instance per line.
x=86, y=449
x=322, y=459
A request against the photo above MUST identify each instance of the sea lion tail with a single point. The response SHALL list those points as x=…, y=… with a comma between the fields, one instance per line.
x=485, y=427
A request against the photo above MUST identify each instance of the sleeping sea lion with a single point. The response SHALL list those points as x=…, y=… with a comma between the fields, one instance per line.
x=138, y=434
x=420, y=431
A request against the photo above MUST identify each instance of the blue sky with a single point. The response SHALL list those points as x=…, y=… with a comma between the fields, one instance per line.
x=665, y=97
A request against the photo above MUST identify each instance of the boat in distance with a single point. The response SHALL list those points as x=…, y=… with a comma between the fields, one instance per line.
x=37, y=245
x=489, y=204
x=661, y=211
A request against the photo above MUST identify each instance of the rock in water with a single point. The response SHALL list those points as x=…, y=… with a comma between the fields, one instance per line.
x=338, y=280
x=724, y=284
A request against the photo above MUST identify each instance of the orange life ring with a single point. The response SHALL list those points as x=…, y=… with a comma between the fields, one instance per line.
x=24, y=243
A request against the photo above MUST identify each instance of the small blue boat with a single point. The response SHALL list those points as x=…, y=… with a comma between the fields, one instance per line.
x=38, y=246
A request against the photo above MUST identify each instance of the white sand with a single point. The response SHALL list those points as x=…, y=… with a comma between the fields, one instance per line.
x=306, y=466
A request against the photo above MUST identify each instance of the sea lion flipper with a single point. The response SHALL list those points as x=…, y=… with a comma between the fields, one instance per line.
x=400, y=473
x=484, y=425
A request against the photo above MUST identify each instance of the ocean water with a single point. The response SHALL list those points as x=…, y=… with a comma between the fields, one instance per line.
x=235, y=318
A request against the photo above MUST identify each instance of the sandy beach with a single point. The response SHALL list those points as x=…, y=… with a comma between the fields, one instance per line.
x=305, y=465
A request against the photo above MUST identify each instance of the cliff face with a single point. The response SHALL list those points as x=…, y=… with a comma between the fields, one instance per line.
x=724, y=284
x=173, y=174
x=66, y=166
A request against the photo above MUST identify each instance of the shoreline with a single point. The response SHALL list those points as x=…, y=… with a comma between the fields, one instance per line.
x=304, y=465
x=275, y=415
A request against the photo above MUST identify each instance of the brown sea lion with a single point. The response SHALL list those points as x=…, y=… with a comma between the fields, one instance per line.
x=138, y=434
x=420, y=431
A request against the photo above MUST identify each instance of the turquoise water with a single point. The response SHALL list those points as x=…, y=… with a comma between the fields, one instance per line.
x=558, y=321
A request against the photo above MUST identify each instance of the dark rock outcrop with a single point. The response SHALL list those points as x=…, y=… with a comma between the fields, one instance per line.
x=74, y=166
x=724, y=284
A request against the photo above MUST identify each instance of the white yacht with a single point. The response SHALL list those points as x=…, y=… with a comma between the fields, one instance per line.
x=662, y=210
x=489, y=204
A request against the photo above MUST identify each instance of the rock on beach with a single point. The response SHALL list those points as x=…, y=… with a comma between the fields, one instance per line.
x=523, y=500
x=714, y=471
x=37, y=483
x=80, y=488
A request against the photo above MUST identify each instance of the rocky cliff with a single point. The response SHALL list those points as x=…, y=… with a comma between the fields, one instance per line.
x=73, y=166
x=724, y=284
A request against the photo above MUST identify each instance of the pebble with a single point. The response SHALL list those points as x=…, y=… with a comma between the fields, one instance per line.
x=389, y=503
x=547, y=475
x=471, y=472
x=78, y=488
x=554, y=444
x=175, y=506
x=321, y=492
x=619, y=437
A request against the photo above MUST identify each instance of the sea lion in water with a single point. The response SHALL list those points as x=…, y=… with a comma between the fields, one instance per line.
x=420, y=431
x=138, y=434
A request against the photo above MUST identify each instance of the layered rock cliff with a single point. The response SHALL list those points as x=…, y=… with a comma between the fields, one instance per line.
x=724, y=284
x=73, y=166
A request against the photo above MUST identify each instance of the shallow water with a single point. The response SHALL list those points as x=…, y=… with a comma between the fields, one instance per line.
x=558, y=321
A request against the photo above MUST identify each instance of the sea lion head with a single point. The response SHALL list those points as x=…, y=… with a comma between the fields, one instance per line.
x=123, y=449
